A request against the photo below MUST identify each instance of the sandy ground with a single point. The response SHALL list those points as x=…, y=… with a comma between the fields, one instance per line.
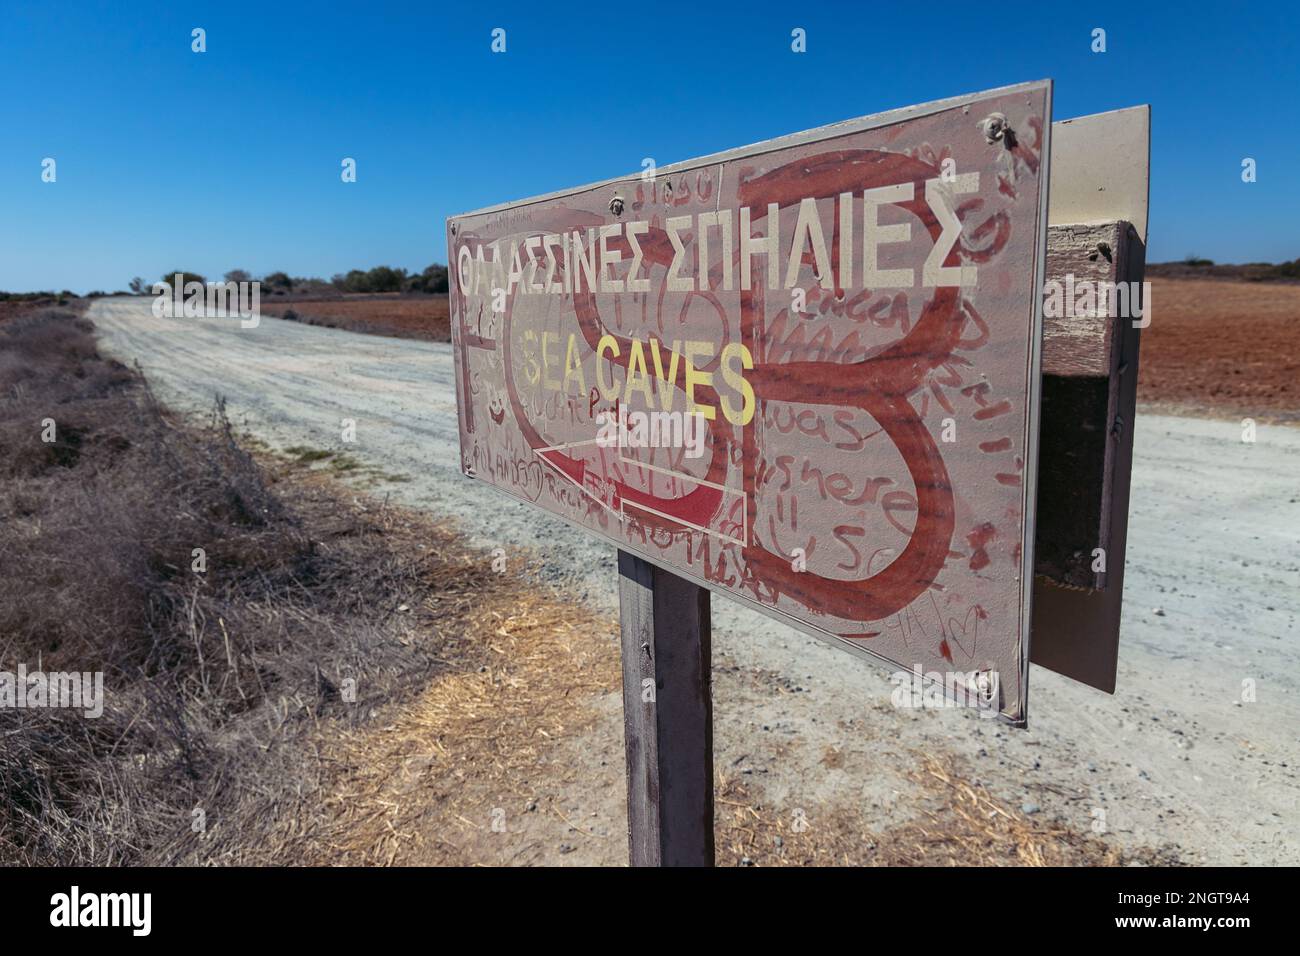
x=1182, y=756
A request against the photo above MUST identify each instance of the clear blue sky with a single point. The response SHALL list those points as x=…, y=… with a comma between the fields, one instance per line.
x=230, y=158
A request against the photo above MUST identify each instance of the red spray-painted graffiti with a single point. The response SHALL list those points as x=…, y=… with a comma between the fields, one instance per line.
x=831, y=311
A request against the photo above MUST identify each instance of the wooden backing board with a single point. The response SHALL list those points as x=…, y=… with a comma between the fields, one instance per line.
x=1076, y=466
x=1098, y=195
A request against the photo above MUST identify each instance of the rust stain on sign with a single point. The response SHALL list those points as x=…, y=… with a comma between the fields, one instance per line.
x=804, y=374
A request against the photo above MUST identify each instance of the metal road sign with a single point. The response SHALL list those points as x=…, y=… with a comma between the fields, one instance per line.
x=804, y=374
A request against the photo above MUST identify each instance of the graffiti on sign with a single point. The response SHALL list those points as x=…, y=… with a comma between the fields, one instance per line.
x=804, y=374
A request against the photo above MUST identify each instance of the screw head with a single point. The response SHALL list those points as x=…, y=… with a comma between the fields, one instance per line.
x=994, y=127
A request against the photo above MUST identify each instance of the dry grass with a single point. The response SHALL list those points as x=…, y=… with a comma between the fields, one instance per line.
x=16, y=304
x=215, y=680
x=229, y=691
x=499, y=727
x=959, y=823
x=418, y=787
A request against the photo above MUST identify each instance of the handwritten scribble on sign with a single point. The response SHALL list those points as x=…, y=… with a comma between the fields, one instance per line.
x=804, y=373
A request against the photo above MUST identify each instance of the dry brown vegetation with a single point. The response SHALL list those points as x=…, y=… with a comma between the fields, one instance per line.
x=14, y=304
x=213, y=680
x=959, y=823
x=228, y=691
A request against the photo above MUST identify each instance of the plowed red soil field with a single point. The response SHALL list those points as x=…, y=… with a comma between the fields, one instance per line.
x=1223, y=348
x=416, y=317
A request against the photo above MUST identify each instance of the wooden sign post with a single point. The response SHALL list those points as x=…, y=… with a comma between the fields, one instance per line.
x=667, y=715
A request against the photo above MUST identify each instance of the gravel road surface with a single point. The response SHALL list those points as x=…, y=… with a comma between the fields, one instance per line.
x=1197, y=750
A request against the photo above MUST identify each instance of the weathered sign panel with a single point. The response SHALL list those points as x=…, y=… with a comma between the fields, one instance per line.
x=804, y=374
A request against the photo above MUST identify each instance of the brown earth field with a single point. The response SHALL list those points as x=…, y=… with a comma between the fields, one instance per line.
x=1222, y=348
x=404, y=316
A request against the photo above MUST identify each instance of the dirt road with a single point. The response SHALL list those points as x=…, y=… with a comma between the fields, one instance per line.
x=1197, y=750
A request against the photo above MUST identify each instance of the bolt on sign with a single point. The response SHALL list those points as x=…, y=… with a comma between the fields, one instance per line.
x=804, y=374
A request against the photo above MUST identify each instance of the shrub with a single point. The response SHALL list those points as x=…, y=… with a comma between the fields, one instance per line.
x=185, y=278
